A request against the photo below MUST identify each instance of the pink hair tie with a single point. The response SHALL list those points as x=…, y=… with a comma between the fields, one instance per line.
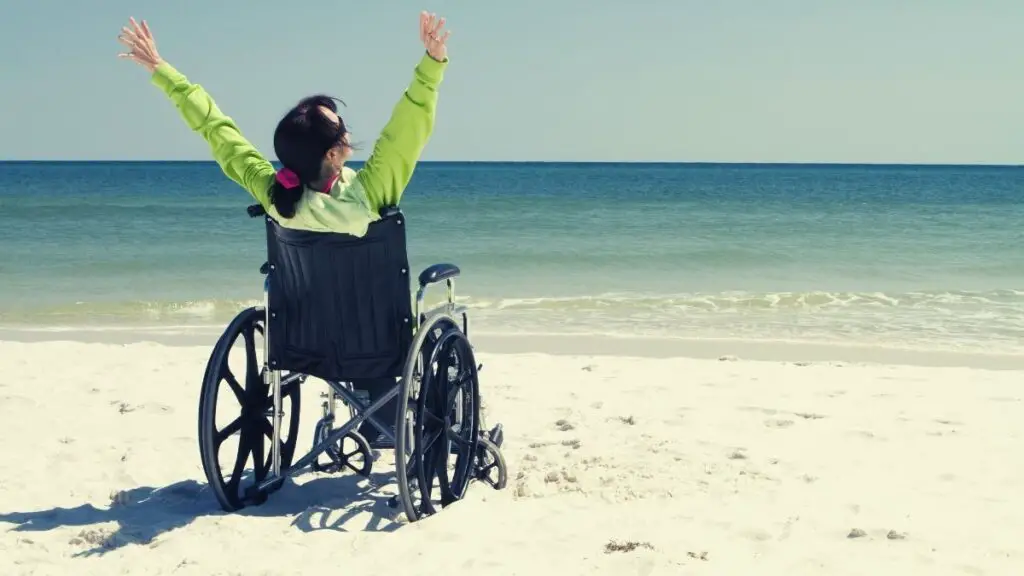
x=288, y=179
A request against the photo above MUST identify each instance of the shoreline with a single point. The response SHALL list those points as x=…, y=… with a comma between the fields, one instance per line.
x=594, y=345
x=708, y=163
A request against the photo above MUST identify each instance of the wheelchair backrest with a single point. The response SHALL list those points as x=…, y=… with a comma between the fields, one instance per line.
x=340, y=306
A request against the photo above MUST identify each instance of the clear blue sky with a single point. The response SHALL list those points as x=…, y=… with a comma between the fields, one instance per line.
x=934, y=81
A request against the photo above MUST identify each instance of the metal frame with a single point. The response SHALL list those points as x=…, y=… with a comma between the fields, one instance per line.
x=359, y=410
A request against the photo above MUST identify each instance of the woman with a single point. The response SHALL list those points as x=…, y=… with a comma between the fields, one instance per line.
x=314, y=190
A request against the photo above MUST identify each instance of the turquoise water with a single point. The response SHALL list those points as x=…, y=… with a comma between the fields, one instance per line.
x=918, y=257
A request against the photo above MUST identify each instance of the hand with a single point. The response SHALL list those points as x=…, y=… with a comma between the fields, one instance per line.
x=430, y=30
x=141, y=44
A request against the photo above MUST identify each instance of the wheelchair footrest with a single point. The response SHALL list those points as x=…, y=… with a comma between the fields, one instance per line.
x=256, y=496
x=382, y=442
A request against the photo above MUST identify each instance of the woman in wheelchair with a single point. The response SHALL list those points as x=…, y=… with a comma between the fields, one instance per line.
x=315, y=192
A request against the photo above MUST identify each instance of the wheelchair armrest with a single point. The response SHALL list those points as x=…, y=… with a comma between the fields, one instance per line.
x=437, y=273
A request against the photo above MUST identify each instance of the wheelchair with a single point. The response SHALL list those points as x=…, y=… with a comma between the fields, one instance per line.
x=339, y=308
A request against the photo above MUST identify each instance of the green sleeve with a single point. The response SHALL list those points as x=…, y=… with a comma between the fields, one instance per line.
x=389, y=168
x=239, y=159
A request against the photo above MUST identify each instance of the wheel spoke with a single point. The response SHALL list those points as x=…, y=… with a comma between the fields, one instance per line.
x=452, y=393
x=454, y=437
x=260, y=462
x=228, y=430
x=428, y=475
x=432, y=418
x=267, y=429
x=234, y=385
x=428, y=443
x=439, y=458
x=240, y=458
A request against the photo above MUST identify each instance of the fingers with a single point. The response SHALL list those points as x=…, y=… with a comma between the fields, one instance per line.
x=437, y=26
x=128, y=34
x=138, y=33
x=131, y=39
x=135, y=59
x=137, y=45
x=139, y=40
x=430, y=27
x=138, y=29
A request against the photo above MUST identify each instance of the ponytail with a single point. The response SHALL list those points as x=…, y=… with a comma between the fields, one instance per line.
x=285, y=199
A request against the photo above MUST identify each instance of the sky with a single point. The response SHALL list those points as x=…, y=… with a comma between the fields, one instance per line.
x=874, y=81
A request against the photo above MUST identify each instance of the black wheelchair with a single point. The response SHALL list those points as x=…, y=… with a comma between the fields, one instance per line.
x=339, y=308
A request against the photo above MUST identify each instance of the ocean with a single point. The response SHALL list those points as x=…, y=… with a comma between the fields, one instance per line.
x=912, y=257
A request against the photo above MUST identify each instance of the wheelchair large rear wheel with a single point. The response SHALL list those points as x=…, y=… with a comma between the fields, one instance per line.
x=235, y=409
x=438, y=423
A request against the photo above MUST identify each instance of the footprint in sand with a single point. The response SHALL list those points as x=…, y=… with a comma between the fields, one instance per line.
x=738, y=454
x=564, y=425
x=808, y=415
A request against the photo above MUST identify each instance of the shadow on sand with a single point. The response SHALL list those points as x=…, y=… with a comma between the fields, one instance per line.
x=142, y=514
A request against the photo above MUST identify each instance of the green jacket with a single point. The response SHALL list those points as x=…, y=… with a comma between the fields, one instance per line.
x=356, y=198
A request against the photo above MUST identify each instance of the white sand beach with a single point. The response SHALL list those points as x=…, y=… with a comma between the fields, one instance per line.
x=618, y=465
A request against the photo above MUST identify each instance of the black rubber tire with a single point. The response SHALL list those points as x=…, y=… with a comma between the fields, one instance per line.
x=440, y=334
x=253, y=425
x=488, y=448
x=461, y=442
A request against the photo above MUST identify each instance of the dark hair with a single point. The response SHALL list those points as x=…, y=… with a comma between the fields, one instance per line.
x=301, y=140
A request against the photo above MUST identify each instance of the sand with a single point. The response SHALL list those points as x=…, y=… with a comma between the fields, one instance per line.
x=618, y=465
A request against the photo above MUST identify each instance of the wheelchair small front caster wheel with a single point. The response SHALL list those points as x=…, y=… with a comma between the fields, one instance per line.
x=351, y=451
x=490, y=464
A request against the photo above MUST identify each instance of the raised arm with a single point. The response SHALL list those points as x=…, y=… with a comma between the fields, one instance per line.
x=238, y=158
x=390, y=166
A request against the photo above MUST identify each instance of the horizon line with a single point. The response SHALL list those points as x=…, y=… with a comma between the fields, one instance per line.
x=595, y=162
